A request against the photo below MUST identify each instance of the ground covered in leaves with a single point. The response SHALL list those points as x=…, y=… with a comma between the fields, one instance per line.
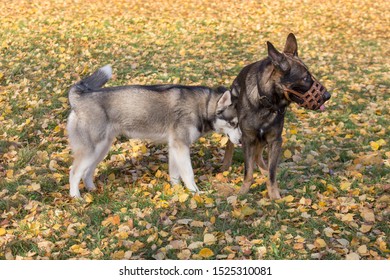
x=335, y=167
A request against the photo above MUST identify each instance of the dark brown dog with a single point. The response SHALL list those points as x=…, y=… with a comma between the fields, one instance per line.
x=265, y=89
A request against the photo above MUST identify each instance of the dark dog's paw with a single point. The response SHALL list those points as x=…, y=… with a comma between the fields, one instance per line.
x=244, y=189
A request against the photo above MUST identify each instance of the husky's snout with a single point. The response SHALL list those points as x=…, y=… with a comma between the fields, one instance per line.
x=235, y=136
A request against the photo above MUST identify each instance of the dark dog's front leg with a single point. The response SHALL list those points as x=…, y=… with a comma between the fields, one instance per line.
x=259, y=158
x=249, y=147
x=275, y=148
x=228, y=158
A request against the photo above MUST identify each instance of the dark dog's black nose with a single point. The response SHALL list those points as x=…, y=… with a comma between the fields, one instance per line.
x=326, y=96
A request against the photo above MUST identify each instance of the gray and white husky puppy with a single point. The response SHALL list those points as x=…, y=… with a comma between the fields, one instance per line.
x=173, y=114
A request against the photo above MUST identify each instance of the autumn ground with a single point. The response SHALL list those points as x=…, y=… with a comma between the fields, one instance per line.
x=335, y=167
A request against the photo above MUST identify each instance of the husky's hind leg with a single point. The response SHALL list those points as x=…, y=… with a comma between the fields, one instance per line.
x=174, y=173
x=98, y=155
x=82, y=161
x=179, y=153
x=81, y=149
x=87, y=153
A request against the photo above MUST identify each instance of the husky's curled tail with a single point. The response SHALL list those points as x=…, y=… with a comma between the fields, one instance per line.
x=98, y=79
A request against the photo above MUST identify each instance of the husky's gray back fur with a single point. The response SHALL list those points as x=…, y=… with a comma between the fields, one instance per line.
x=156, y=109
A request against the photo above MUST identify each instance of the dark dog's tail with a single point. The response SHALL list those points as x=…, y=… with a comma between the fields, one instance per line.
x=90, y=83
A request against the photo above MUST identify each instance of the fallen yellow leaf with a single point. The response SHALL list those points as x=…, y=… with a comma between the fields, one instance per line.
x=288, y=198
x=182, y=52
x=158, y=174
x=119, y=255
x=57, y=129
x=293, y=130
x=374, y=145
x=88, y=198
x=97, y=252
x=224, y=140
x=116, y=220
x=206, y=253
x=183, y=197
x=320, y=243
x=10, y=173
x=208, y=200
x=247, y=211
x=344, y=186
x=383, y=246
x=381, y=142
x=122, y=235
x=287, y=154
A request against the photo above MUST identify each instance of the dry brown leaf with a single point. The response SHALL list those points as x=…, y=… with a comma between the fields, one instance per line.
x=368, y=215
x=352, y=256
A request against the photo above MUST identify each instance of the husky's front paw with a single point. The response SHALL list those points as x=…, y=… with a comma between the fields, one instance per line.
x=194, y=190
x=175, y=181
x=75, y=193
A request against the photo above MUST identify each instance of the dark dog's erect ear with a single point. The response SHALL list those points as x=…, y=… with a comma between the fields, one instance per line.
x=291, y=46
x=278, y=59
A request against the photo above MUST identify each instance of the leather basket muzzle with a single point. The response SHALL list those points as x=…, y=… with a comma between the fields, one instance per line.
x=311, y=99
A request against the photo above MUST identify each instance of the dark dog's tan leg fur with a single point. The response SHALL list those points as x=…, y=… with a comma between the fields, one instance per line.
x=249, y=155
x=228, y=158
x=274, y=151
x=259, y=158
x=254, y=153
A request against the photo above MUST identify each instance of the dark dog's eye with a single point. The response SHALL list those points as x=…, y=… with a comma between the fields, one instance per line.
x=307, y=78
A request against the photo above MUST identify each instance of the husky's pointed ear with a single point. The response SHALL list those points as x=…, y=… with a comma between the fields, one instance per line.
x=225, y=100
x=278, y=60
x=291, y=46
